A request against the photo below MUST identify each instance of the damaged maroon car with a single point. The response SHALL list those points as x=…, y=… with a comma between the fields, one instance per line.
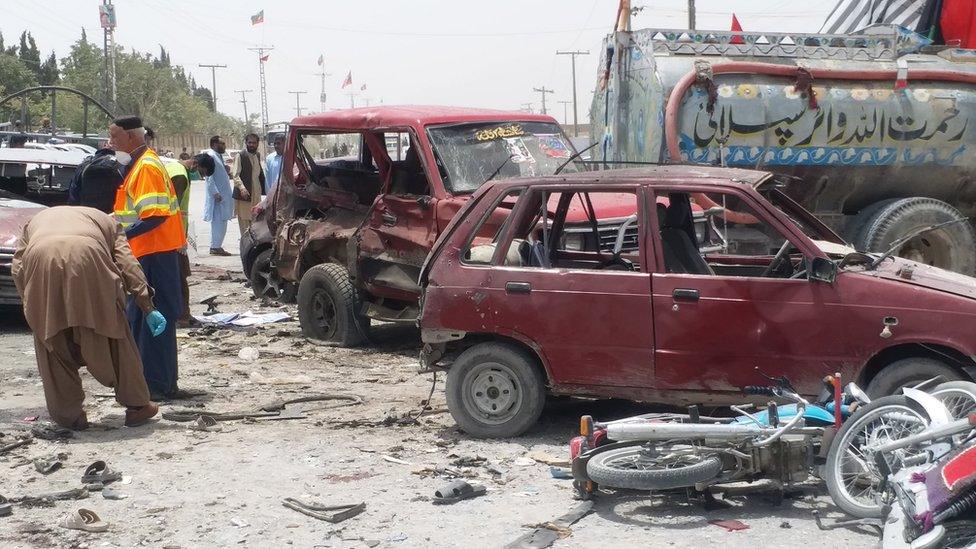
x=364, y=194
x=515, y=313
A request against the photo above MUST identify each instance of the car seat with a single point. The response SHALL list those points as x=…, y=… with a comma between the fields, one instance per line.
x=681, y=253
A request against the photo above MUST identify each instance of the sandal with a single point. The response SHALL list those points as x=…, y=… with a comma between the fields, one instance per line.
x=99, y=473
x=85, y=520
x=457, y=490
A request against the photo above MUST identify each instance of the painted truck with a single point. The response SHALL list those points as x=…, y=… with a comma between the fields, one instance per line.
x=878, y=128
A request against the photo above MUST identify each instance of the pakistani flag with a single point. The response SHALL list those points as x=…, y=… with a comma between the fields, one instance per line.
x=257, y=18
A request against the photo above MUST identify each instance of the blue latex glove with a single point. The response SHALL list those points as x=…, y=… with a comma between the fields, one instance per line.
x=156, y=322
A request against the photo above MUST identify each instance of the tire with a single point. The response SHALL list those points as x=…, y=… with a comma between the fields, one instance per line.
x=959, y=397
x=623, y=468
x=266, y=283
x=907, y=372
x=855, y=231
x=862, y=495
x=952, y=247
x=958, y=534
x=328, y=306
x=495, y=390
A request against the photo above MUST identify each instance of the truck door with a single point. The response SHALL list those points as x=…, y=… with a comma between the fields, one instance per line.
x=717, y=318
x=401, y=226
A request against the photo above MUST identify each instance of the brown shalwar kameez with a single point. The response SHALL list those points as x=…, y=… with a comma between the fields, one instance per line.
x=73, y=268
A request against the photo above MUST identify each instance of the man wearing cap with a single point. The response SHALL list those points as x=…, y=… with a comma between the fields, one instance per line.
x=147, y=208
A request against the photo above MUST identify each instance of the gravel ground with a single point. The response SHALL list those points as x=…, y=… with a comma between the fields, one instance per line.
x=187, y=488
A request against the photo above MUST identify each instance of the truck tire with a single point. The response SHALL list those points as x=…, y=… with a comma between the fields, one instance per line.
x=495, y=390
x=328, y=306
x=623, y=468
x=855, y=231
x=266, y=283
x=907, y=372
x=952, y=247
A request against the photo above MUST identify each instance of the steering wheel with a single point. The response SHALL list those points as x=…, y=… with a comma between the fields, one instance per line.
x=782, y=255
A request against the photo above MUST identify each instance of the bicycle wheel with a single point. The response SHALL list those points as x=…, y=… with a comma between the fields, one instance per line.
x=653, y=468
x=959, y=397
x=853, y=480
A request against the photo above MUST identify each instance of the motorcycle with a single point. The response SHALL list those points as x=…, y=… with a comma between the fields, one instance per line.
x=671, y=451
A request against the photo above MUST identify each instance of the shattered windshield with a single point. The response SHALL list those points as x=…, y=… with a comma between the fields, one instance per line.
x=468, y=154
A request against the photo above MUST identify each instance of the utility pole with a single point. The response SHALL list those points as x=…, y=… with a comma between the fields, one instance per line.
x=352, y=99
x=213, y=80
x=298, y=101
x=565, y=104
x=691, y=14
x=247, y=119
x=543, y=90
x=323, y=74
x=527, y=107
x=573, y=55
x=264, y=88
x=109, y=45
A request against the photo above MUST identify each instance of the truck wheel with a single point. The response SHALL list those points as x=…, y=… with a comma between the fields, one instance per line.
x=495, y=391
x=907, y=372
x=328, y=306
x=952, y=247
x=266, y=283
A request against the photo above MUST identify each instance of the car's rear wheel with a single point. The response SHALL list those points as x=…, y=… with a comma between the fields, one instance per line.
x=908, y=372
x=495, y=390
x=328, y=306
x=265, y=282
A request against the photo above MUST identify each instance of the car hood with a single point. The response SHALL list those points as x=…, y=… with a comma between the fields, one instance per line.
x=14, y=214
x=926, y=276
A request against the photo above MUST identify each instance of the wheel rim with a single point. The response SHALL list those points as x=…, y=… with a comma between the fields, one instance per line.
x=857, y=472
x=324, y=312
x=653, y=459
x=958, y=402
x=932, y=248
x=493, y=393
x=265, y=284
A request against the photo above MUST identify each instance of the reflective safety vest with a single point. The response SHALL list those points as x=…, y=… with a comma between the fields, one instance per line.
x=147, y=191
x=174, y=169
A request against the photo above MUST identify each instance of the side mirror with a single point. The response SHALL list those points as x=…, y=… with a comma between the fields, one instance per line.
x=822, y=270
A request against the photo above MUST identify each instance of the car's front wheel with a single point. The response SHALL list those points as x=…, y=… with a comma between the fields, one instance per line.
x=265, y=282
x=495, y=390
x=328, y=306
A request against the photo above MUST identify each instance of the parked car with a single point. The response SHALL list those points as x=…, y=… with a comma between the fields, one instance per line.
x=14, y=214
x=40, y=175
x=665, y=322
x=365, y=192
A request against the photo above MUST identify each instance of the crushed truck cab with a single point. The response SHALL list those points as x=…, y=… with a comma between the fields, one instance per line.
x=364, y=194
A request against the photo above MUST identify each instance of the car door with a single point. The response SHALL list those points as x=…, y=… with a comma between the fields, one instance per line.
x=401, y=226
x=714, y=328
x=593, y=325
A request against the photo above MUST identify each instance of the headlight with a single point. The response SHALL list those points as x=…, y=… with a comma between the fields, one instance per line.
x=572, y=242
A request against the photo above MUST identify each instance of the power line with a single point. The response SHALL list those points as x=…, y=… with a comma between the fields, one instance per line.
x=213, y=80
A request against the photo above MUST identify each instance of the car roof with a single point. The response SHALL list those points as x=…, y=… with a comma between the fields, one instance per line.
x=42, y=156
x=410, y=115
x=649, y=175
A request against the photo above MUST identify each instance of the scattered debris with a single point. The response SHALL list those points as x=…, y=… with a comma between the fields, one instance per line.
x=730, y=525
x=547, y=458
x=362, y=475
x=112, y=493
x=47, y=500
x=544, y=535
x=343, y=512
x=51, y=431
x=785, y=524
x=392, y=459
x=49, y=464
x=468, y=461
x=249, y=354
x=6, y=509
x=561, y=473
x=456, y=491
x=239, y=522
x=16, y=444
x=397, y=537
x=205, y=423
x=242, y=320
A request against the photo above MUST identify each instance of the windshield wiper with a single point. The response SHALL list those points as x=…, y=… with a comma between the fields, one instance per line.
x=894, y=245
x=499, y=168
x=574, y=157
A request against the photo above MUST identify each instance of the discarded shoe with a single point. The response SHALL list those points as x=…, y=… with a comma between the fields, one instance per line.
x=135, y=417
x=219, y=252
x=99, y=473
x=205, y=423
x=49, y=464
x=50, y=431
x=457, y=490
x=85, y=520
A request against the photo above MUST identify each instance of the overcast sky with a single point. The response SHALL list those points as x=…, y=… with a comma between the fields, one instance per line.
x=487, y=53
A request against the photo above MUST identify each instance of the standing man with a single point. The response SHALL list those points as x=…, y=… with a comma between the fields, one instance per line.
x=149, y=213
x=248, y=180
x=273, y=163
x=17, y=141
x=219, y=207
x=73, y=269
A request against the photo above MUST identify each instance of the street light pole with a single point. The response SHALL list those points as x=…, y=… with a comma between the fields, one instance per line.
x=573, y=55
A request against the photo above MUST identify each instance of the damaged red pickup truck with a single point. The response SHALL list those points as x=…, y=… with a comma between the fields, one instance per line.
x=364, y=194
x=515, y=313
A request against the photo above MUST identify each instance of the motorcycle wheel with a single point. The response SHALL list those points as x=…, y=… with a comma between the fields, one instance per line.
x=959, y=534
x=959, y=397
x=853, y=480
x=652, y=468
